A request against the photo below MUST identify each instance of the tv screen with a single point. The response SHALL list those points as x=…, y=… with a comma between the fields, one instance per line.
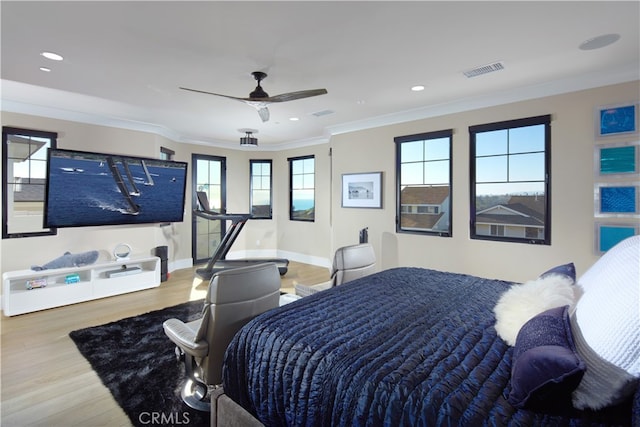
x=89, y=189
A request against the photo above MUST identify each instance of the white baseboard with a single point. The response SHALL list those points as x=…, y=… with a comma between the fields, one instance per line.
x=273, y=253
x=180, y=264
x=306, y=259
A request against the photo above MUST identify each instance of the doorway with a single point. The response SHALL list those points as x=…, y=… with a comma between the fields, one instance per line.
x=209, y=175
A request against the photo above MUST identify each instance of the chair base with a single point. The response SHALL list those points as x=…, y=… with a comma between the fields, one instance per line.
x=196, y=395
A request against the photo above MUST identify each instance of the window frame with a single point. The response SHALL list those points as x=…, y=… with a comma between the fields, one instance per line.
x=508, y=125
x=6, y=131
x=414, y=209
x=291, y=161
x=251, y=189
x=195, y=220
x=166, y=153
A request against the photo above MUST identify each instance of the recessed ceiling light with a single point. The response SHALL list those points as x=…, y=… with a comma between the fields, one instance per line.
x=599, y=42
x=294, y=119
x=52, y=56
x=361, y=102
x=45, y=69
x=417, y=88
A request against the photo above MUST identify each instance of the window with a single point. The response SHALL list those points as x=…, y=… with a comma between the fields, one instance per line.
x=261, y=196
x=510, y=166
x=423, y=176
x=166, y=154
x=497, y=230
x=24, y=162
x=209, y=175
x=302, y=204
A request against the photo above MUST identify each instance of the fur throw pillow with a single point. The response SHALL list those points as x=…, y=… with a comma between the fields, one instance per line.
x=524, y=301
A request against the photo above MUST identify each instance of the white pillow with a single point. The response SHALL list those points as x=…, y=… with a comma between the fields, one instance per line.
x=524, y=301
x=606, y=327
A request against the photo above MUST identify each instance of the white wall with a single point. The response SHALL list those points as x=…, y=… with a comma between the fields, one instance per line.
x=370, y=150
x=572, y=198
x=21, y=253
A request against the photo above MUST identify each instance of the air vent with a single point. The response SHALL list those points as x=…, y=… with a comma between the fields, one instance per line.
x=490, y=68
x=322, y=113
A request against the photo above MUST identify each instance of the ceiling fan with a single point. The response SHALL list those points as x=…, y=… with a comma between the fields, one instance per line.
x=259, y=99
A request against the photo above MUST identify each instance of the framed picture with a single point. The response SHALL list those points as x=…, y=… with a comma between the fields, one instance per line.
x=608, y=235
x=362, y=190
x=616, y=159
x=617, y=199
x=617, y=119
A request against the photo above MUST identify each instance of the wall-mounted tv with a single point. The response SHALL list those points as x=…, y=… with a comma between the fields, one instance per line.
x=90, y=189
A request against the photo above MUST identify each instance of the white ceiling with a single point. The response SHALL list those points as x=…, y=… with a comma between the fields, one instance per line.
x=124, y=61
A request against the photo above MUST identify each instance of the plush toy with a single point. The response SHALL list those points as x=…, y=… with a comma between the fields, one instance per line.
x=69, y=260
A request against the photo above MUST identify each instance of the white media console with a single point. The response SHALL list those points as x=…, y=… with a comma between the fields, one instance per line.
x=66, y=286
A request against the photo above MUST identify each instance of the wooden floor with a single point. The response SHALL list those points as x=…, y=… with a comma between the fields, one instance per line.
x=44, y=379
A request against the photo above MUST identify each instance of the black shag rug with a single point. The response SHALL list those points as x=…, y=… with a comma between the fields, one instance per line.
x=136, y=361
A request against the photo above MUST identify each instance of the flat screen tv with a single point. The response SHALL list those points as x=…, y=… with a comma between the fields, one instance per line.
x=91, y=189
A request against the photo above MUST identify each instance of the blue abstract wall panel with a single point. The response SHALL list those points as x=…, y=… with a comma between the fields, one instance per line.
x=618, y=160
x=611, y=235
x=618, y=199
x=618, y=120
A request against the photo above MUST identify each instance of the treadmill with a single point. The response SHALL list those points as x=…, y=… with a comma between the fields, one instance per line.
x=218, y=261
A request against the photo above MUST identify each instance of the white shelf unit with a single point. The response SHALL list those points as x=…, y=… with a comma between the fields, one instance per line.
x=94, y=283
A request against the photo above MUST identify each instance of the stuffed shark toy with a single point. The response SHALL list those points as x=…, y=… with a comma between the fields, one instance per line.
x=69, y=260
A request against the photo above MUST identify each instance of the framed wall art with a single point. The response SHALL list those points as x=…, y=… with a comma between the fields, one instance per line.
x=362, y=190
x=617, y=119
x=608, y=235
x=617, y=199
x=616, y=159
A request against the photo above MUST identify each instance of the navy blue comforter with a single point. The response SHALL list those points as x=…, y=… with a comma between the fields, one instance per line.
x=403, y=347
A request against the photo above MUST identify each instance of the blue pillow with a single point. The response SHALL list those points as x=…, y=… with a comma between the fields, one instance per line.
x=545, y=367
x=568, y=270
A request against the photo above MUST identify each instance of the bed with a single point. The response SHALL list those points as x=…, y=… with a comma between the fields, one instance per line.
x=402, y=347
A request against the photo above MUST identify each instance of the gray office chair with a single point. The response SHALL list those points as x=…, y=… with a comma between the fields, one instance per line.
x=234, y=298
x=349, y=263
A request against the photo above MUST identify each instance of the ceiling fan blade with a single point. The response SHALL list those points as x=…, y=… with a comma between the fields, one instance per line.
x=259, y=99
x=295, y=95
x=257, y=103
x=216, y=94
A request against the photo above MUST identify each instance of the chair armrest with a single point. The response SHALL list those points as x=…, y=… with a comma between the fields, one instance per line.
x=306, y=290
x=184, y=337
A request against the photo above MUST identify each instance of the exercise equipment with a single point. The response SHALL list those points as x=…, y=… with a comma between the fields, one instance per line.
x=218, y=261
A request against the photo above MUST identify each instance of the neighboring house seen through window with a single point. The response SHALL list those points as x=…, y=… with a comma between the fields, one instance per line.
x=510, y=164
x=423, y=177
x=302, y=204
